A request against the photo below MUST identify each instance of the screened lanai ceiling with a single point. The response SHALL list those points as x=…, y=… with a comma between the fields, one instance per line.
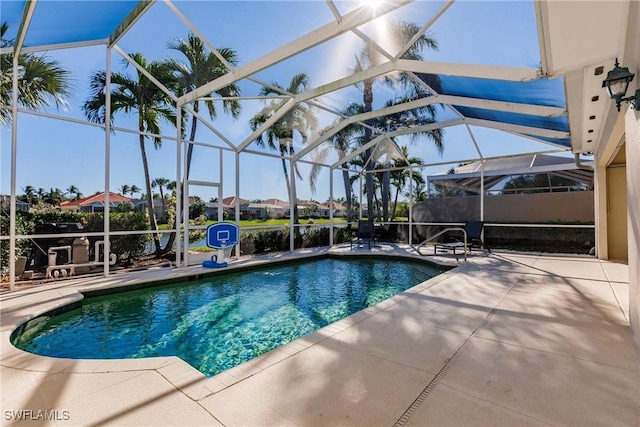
x=551, y=94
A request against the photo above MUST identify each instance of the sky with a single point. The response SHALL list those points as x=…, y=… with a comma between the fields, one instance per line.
x=58, y=154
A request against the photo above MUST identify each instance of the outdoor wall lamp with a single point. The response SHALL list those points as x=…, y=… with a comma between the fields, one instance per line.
x=617, y=83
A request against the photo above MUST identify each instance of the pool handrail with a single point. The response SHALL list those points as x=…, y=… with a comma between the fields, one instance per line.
x=430, y=238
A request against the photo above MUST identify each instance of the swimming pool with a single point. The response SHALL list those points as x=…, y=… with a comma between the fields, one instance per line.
x=219, y=322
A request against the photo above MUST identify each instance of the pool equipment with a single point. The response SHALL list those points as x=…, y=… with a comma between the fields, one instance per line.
x=220, y=236
x=80, y=260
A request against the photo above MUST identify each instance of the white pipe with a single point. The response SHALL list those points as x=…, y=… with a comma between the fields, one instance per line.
x=576, y=158
x=59, y=248
x=96, y=250
x=72, y=267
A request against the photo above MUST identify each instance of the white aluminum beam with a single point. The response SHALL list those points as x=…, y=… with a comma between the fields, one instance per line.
x=209, y=126
x=329, y=31
x=267, y=124
x=517, y=74
x=24, y=26
x=404, y=131
x=424, y=29
x=508, y=107
x=146, y=74
x=140, y=9
x=198, y=34
x=535, y=110
x=527, y=130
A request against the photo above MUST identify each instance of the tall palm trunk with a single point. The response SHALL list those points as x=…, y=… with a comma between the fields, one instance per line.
x=147, y=179
x=368, y=106
x=291, y=189
x=178, y=216
x=347, y=192
x=192, y=137
x=395, y=204
x=385, y=194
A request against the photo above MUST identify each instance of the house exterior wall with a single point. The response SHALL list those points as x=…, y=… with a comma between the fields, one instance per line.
x=632, y=131
x=617, y=242
x=570, y=207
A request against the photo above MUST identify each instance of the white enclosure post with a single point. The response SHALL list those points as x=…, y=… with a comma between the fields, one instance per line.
x=107, y=167
x=14, y=158
x=220, y=191
x=237, y=199
x=330, y=206
x=410, y=205
x=292, y=206
x=185, y=206
x=176, y=221
x=482, y=193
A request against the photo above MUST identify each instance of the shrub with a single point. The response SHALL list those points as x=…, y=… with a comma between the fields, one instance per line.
x=125, y=247
x=24, y=225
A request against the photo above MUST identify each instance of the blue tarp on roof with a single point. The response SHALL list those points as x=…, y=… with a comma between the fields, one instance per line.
x=541, y=92
x=554, y=123
x=76, y=21
x=545, y=92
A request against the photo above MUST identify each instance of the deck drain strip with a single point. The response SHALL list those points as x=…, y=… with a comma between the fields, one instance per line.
x=432, y=385
x=447, y=366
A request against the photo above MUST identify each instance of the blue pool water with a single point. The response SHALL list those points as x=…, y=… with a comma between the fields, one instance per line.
x=219, y=322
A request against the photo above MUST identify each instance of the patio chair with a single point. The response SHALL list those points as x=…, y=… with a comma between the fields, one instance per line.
x=473, y=230
x=364, y=234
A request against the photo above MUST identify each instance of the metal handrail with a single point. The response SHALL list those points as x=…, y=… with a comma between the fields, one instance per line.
x=430, y=238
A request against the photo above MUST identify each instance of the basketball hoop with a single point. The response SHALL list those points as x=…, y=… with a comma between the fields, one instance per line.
x=222, y=236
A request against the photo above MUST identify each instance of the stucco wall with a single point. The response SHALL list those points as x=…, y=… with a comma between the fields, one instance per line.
x=570, y=207
x=633, y=217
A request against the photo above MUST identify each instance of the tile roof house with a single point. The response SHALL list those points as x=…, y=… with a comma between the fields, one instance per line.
x=93, y=203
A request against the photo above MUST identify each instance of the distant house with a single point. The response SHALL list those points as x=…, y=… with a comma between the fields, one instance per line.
x=271, y=208
x=93, y=203
x=276, y=208
x=339, y=210
x=211, y=210
x=20, y=205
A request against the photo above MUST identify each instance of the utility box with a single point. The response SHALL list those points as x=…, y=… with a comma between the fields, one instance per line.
x=41, y=245
x=80, y=253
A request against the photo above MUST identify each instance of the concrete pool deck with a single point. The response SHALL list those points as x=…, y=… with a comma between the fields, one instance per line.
x=506, y=339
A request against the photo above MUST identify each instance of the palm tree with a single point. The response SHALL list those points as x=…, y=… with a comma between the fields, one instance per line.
x=41, y=193
x=400, y=177
x=124, y=190
x=134, y=189
x=74, y=192
x=161, y=184
x=279, y=137
x=43, y=81
x=401, y=33
x=419, y=193
x=30, y=195
x=54, y=197
x=151, y=103
x=342, y=142
x=201, y=68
